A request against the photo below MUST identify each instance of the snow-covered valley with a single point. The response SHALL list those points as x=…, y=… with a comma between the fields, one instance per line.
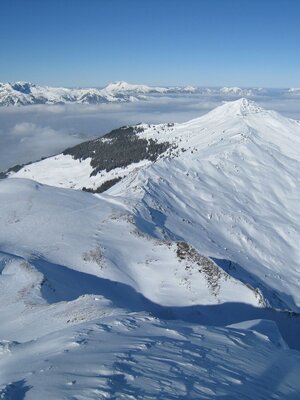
x=181, y=280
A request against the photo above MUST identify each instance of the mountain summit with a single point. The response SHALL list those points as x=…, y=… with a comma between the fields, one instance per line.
x=240, y=107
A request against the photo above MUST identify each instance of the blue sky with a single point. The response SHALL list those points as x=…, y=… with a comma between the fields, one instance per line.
x=158, y=42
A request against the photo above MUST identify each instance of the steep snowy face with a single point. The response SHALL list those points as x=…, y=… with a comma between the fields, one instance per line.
x=23, y=87
x=233, y=192
x=240, y=121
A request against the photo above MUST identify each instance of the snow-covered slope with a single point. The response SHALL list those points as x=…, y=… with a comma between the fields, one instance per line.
x=176, y=270
x=91, y=307
x=92, y=163
x=180, y=281
x=233, y=194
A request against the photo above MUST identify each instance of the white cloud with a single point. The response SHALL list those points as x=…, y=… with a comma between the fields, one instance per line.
x=26, y=141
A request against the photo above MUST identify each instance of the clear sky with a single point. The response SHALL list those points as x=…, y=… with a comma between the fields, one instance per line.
x=158, y=42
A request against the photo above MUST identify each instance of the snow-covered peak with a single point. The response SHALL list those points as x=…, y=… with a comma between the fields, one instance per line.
x=231, y=90
x=126, y=87
x=231, y=111
x=237, y=91
x=294, y=90
x=238, y=121
x=23, y=87
x=240, y=107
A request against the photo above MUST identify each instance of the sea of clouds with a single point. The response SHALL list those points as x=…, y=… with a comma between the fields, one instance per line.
x=28, y=133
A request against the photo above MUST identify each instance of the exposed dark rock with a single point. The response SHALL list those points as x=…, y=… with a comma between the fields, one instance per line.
x=15, y=168
x=211, y=271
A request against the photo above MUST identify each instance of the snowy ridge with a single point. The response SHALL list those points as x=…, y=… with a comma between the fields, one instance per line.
x=180, y=281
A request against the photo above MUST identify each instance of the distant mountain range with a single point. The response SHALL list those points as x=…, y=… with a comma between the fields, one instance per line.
x=26, y=93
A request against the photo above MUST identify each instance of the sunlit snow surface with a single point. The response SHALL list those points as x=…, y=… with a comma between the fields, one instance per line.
x=102, y=297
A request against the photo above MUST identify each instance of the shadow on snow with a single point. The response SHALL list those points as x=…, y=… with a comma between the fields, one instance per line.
x=65, y=284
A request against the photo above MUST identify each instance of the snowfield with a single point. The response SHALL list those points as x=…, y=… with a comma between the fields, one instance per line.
x=180, y=281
